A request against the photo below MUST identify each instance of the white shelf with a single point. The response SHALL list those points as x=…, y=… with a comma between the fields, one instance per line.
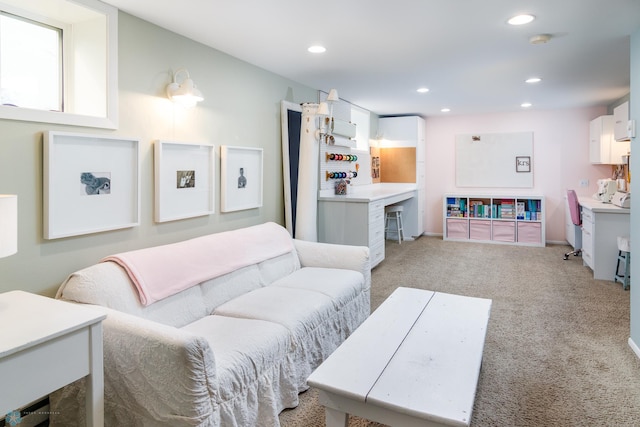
x=493, y=218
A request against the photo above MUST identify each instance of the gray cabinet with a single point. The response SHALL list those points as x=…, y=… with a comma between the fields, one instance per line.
x=353, y=223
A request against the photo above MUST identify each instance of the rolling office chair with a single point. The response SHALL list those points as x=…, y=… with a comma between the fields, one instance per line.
x=574, y=209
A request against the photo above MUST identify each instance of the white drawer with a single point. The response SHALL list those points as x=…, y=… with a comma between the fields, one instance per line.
x=376, y=234
x=376, y=253
x=587, y=259
x=587, y=247
x=587, y=216
x=376, y=219
x=376, y=223
x=376, y=209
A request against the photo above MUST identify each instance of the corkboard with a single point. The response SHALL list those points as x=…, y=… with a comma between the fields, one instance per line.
x=398, y=164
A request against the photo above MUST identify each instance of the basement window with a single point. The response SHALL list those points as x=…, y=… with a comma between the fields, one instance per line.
x=30, y=64
x=58, y=62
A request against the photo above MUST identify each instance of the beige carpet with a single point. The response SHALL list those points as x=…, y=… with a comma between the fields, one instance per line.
x=556, y=352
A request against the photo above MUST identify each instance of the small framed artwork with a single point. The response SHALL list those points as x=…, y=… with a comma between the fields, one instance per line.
x=91, y=184
x=241, y=178
x=523, y=164
x=184, y=180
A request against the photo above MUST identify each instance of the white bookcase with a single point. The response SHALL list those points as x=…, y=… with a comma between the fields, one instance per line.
x=507, y=219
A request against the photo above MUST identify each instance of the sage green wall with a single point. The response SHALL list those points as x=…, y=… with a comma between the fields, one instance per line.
x=241, y=108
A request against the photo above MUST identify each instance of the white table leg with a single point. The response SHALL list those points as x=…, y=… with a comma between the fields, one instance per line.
x=335, y=418
x=95, y=379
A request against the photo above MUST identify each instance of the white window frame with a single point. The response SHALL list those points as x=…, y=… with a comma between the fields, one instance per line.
x=110, y=118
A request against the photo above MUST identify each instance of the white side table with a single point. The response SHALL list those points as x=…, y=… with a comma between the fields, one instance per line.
x=46, y=344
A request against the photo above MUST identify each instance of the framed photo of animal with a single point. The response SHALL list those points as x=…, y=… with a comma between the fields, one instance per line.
x=91, y=183
x=240, y=178
x=184, y=180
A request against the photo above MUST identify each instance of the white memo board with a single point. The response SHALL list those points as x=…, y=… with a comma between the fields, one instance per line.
x=489, y=160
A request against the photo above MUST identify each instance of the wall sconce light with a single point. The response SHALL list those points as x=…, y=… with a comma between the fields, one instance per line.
x=8, y=224
x=325, y=112
x=184, y=93
x=333, y=95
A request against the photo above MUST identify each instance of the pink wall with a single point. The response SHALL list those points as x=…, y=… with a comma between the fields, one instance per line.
x=560, y=159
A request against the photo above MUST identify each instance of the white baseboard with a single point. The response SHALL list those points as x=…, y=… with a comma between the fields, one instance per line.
x=432, y=234
x=634, y=347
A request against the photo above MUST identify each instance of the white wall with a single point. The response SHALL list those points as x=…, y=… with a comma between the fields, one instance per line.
x=634, y=113
x=241, y=108
x=560, y=159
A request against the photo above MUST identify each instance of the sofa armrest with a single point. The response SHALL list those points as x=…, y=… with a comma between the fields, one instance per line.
x=154, y=372
x=329, y=255
x=158, y=369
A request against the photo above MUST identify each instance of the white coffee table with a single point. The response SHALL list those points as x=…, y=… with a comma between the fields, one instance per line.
x=414, y=362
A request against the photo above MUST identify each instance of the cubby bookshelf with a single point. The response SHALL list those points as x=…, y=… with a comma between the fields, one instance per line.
x=508, y=219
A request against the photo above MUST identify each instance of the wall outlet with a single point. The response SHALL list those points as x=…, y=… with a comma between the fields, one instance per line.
x=584, y=183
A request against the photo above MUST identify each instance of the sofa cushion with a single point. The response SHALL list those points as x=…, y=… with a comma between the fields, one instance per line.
x=298, y=310
x=317, y=326
x=224, y=288
x=278, y=267
x=108, y=285
x=241, y=362
x=340, y=285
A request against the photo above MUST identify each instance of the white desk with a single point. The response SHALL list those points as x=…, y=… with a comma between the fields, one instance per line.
x=414, y=362
x=46, y=344
x=357, y=218
x=602, y=223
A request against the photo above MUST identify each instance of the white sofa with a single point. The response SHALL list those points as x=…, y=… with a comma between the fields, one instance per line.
x=232, y=350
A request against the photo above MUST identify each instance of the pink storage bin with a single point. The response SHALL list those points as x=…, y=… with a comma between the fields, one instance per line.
x=504, y=231
x=529, y=232
x=479, y=230
x=457, y=228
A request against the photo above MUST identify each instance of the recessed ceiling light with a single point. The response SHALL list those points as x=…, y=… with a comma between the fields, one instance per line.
x=521, y=19
x=533, y=80
x=317, y=49
x=526, y=105
x=445, y=110
x=423, y=90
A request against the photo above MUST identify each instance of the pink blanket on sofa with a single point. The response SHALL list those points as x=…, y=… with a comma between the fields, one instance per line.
x=162, y=271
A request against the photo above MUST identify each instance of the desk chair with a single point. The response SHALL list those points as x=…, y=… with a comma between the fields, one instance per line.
x=576, y=219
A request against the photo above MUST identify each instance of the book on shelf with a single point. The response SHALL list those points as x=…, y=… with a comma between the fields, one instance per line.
x=520, y=210
x=507, y=209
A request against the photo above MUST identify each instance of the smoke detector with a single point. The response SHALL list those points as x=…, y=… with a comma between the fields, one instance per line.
x=540, y=39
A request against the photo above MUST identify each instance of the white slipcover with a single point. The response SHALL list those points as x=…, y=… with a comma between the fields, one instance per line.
x=231, y=351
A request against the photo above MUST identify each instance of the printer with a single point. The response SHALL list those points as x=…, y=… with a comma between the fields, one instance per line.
x=621, y=199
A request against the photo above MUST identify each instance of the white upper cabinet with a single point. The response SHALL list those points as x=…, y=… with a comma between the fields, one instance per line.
x=621, y=118
x=403, y=128
x=603, y=148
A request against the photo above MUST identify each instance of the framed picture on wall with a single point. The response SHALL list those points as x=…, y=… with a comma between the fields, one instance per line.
x=91, y=184
x=523, y=164
x=184, y=180
x=240, y=178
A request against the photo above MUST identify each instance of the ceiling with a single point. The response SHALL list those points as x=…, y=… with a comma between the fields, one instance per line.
x=379, y=52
